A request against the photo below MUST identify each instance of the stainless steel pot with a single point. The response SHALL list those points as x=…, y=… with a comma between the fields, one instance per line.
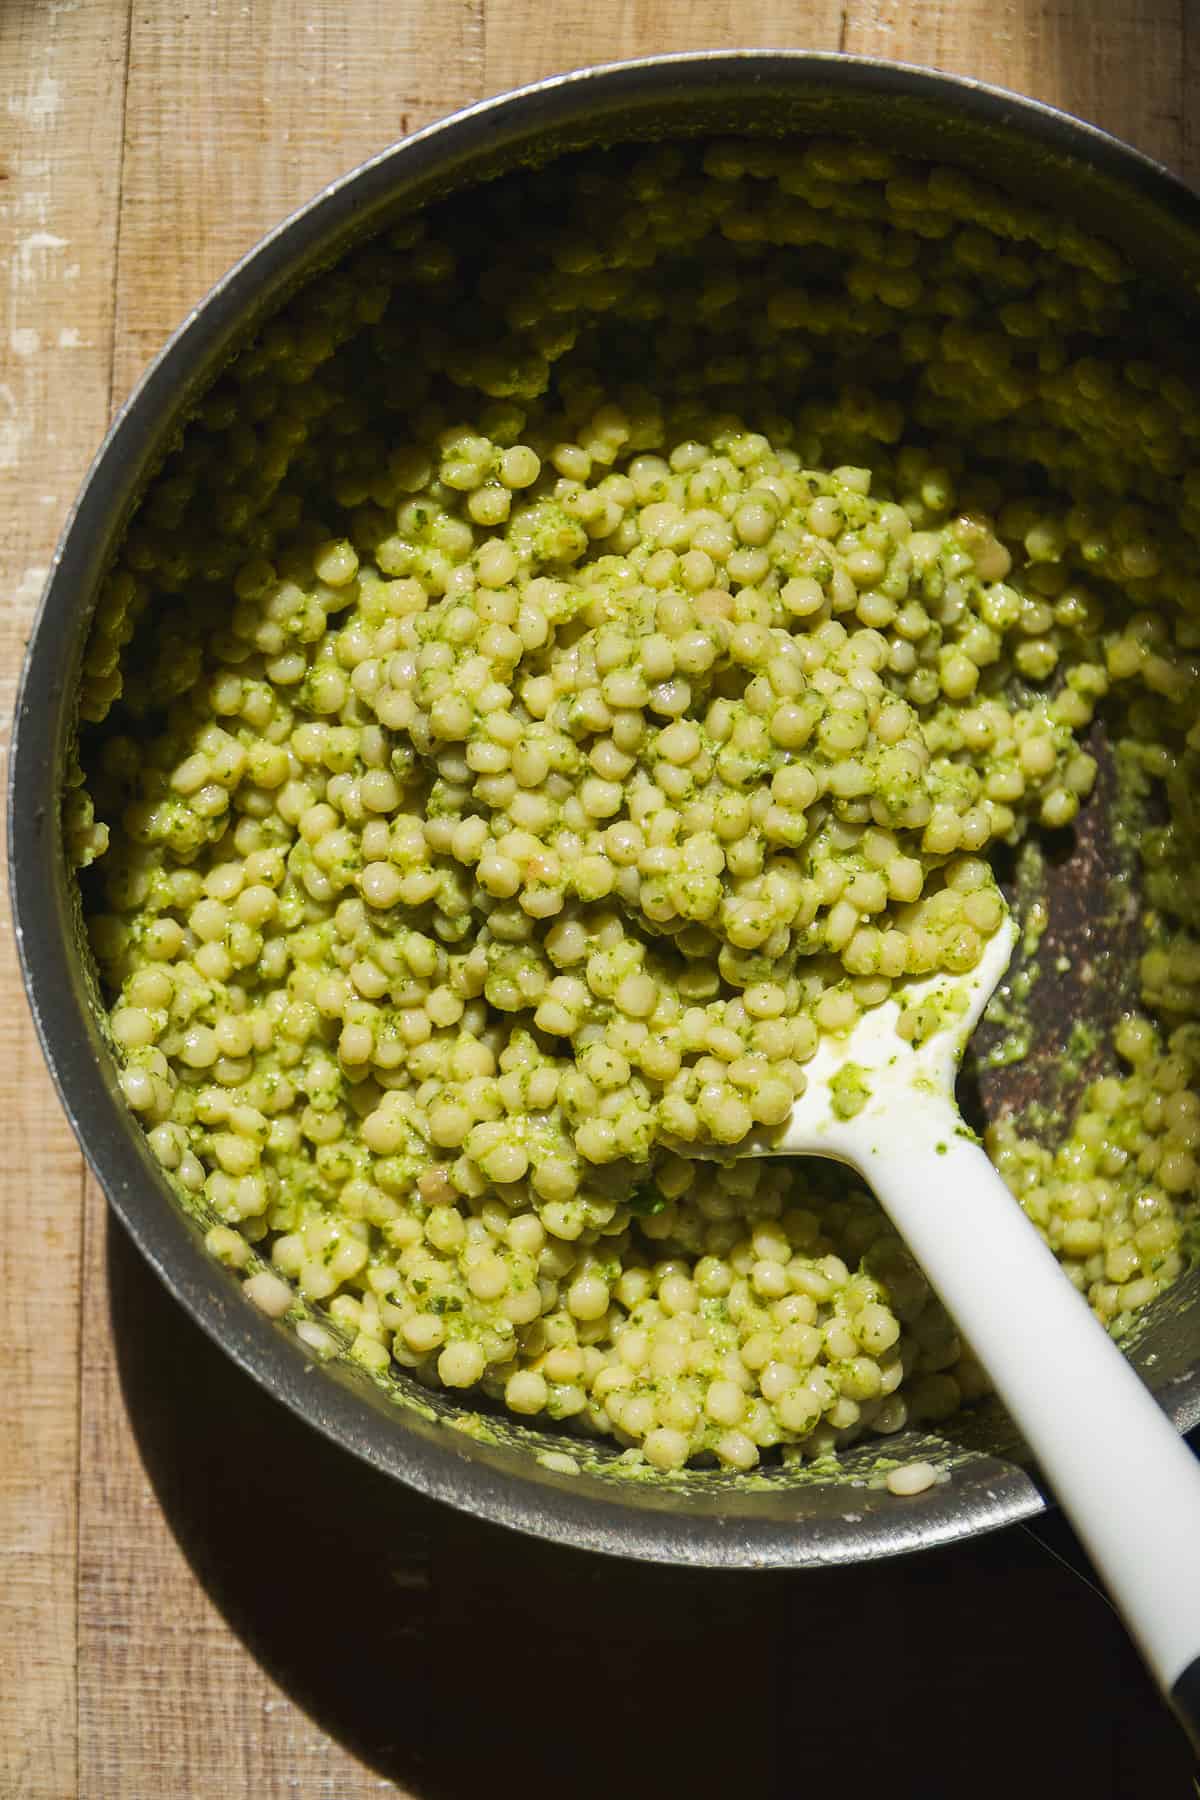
x=491, y=1466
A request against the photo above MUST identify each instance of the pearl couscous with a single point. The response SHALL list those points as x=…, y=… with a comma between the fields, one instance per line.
x=563, y=671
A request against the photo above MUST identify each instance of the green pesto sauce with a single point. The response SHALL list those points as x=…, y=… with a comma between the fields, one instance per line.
x=849, y=1091
x=1007, y=1010
x=961, y=635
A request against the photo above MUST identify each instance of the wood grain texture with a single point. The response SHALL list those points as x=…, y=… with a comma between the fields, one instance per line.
x=1117, y=63
x=524, y=42
x=251, y=1615
x=236, y=114
x=1189, y=154
x=58, y=216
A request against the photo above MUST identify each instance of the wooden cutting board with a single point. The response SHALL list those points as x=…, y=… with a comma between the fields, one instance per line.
x=197, y=1600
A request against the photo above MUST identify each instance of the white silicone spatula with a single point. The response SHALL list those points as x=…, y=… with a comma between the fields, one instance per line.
x=1126, y=1478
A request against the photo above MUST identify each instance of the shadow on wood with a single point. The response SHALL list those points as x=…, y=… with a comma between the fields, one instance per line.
x=460, y=1660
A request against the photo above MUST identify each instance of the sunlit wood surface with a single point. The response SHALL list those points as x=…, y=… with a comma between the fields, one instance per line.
x=199, y=1601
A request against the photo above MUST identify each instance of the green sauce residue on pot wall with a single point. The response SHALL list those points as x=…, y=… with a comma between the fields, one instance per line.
x=568, y=669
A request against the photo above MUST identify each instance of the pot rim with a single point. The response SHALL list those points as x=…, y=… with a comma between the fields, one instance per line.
x=438, y=1463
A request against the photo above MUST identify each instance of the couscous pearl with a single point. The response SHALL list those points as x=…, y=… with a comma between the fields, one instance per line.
x=548, y=772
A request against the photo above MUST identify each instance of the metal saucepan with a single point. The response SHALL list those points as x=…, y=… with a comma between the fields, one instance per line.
x=490, y=1466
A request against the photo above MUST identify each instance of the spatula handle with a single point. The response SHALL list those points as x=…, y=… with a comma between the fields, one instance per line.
x=1125, y=1477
